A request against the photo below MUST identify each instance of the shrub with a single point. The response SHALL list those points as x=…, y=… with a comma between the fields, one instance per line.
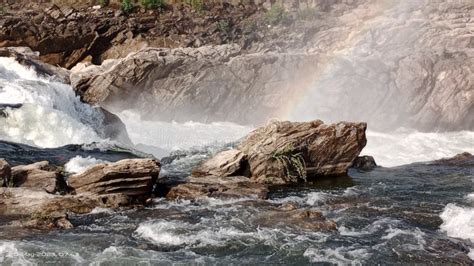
x=308, y=14
x=276, y=15
x=2, y=10
x=103, y=3
x=154, y=4
x=223, y=26
x=196, y=4
x=249, y=26
x=292, y=163
x=127, y=6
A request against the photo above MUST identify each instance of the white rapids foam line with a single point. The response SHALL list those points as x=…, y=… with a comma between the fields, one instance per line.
x=79, y=164
x=458, y=221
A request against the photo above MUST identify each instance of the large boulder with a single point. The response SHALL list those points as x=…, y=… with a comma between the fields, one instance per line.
x=40, y=175
x=290, y=152
x=131, y=177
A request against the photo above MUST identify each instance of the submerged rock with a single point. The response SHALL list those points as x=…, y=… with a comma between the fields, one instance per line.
x=289, y=152
x=364, y=163
x=218, y=187
x=131, y=177
x=307, y=219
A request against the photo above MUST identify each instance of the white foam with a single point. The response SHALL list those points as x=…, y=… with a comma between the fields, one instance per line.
x=52, y=114
x=79, y=164
x=180, y=136
x=9, y=254
x=339, y=256
x=458, y=221
x=407, y=146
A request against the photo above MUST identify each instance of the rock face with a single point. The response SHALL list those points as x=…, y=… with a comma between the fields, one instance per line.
x=364, y=163
x=38, y=175
x=336, y=70
x=289, y=152
x=131, y=177
x=218, y=187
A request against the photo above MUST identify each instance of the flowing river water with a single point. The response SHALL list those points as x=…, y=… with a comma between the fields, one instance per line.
x=404, y=212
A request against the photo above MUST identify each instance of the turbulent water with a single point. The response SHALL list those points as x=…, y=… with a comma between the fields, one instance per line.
x=406, y=214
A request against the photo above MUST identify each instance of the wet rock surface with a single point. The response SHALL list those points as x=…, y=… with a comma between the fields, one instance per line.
x=364, y=163
x=218, y=187
x=462, y=159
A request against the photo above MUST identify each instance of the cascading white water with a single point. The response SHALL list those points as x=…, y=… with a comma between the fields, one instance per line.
x=51, y=115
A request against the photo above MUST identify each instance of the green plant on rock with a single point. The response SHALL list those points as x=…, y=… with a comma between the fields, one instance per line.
x=103, y=3
x=152, y=4
x=249, y=26
x=127, y=6
x=275, y=15
x=292, y=162
x=196, y=4
x=223, y=26
x=308, y=14
x=2, y=10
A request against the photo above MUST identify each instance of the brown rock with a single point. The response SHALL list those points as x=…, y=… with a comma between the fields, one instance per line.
x=307, y=219
x=38, y=175
x=225, y=163
x=218, y=187
x=132, y=177
x=287, y=152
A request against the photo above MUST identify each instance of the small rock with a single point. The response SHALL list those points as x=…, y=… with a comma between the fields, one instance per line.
x=5, y=172
x=364, y=163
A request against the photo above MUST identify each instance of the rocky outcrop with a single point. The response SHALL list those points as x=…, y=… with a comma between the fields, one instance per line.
x=66, y=35
x=131, y=177
x=289, y=152
x=218, y=187
x=334, y=70
x=40, y=175
x=364, y=163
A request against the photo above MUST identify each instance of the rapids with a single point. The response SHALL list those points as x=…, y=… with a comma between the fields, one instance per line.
x=408, y=213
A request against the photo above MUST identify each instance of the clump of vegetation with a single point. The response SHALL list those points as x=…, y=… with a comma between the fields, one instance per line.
x=103, y=3
x=308, y=14
x=2, y=10
x=223, y=26
x=276, y=15
x=249, y=26
x=196, y=4
x=152, y=4
x=127, y=6
x=292, y=162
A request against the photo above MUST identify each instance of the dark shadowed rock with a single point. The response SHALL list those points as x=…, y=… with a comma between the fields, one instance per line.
x=132, y=177
x=289, y=152
x=5, y=172
x=114, y=128
x=38, y=175
x=218, y=187
x=364, y=163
